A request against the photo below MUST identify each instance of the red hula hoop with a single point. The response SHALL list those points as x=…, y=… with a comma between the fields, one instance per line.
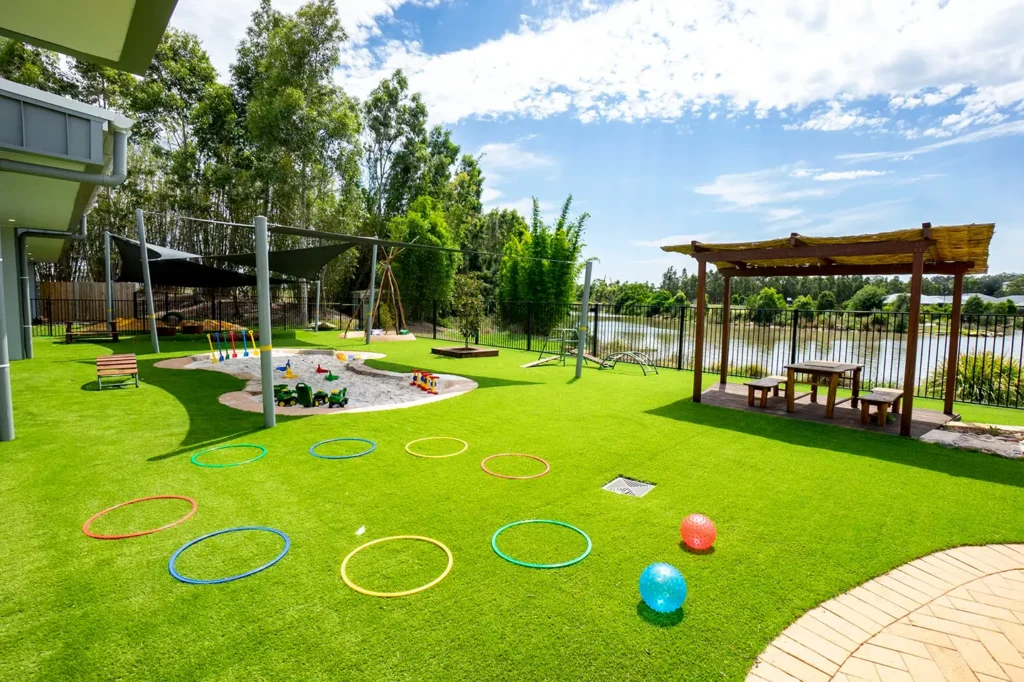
x=186, y=517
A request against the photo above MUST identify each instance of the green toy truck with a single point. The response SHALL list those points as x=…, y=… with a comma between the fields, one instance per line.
x=284, y=396
x=338, y=398
x=307, y=398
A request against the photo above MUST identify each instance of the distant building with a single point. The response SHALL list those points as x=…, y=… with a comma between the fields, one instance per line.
x=939, y=300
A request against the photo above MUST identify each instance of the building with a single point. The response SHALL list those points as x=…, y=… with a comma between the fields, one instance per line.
x=56, y=153
x=946, y=300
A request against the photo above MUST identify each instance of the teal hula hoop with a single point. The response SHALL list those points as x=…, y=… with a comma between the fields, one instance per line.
x=373, y=446
x=527, y=564
x=195, y=457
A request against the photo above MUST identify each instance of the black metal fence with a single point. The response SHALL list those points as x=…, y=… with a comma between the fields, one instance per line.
x=990, y=370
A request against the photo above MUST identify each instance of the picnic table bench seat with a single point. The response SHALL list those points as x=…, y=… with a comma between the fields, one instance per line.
x=95, y=331
x=882, y=399
x=763, y=385
x=125, y=366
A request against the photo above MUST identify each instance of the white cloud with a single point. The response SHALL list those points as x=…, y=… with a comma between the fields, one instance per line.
x=834, y=176
x=1001, y=130
x=525, y=207
x=805, y=172
x=502, y=162
x=749, y=190
x=489, y=195
x=656, y=59
x=777, y=214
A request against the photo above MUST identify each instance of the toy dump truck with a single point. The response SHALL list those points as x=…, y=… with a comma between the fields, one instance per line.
x=338, y=398
x=284, y=396
x=307, y=398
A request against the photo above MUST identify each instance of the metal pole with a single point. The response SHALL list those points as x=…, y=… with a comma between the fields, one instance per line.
x=6, y=408
x=263, y=306
x=106, y=272
x=140, y=225
x=27, y=351
x=581, y=342
x=373, y=283
x=317, y=315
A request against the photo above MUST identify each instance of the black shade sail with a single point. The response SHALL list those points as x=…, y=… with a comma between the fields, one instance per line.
x=168, y=267
x=299, y=263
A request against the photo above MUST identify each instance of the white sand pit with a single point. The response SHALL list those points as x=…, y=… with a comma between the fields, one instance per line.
x=368, y=388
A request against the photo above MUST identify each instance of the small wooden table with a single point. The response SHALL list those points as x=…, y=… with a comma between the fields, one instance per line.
x=823, y=370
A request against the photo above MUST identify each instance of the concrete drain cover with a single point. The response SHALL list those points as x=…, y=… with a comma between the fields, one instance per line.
x=628, y=486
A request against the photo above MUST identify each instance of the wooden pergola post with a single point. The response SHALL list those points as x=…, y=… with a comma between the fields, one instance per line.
x=953, y=354
x=910, y=371
x=726, y=302
x=698, y=345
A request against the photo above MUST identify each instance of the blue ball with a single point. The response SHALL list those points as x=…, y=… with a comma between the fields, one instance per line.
x=663, y=587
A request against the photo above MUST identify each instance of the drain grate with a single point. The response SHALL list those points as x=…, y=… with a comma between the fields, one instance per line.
x=621, y=485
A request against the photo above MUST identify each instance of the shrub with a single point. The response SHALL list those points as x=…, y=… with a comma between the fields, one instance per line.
x=870, y=297
x=766, y=306
x=468, y=305
x=827, y=301
x=982, y=378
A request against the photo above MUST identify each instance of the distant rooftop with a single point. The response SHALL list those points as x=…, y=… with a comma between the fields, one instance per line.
x=940, y=300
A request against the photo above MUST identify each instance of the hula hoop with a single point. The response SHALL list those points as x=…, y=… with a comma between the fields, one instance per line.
x=405, y=593
x=547, y=467
x=373, y=446
x=465, y=446
x=122, y=536
x=195, y=457
x=527, y=564
x=217, y=581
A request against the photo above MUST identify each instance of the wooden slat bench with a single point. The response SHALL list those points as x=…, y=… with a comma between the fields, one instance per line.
x=882, y=399
x=101, y=332
x=125, y=366
x=763, y=385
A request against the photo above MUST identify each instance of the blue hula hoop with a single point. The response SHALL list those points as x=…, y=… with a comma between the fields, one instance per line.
x=527, y=564
x=217, y=581
x=373, y=446
x=195, y=457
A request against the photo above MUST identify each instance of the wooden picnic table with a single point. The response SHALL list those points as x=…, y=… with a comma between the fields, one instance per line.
x=819, y=370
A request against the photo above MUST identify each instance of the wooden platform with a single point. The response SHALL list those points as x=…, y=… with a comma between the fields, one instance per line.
x=734, y=396
x=463, y=352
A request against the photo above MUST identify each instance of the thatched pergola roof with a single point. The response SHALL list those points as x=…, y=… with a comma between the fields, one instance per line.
x=947, y=250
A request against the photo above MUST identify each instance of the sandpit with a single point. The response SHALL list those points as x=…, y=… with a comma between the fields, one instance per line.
x=368, y=388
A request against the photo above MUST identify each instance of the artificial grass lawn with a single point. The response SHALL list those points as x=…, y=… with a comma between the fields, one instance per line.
x=804, y=512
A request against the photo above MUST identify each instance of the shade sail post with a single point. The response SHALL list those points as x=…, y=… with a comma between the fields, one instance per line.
x=913, y=323
x=263, y=308
x=316, y=314
x=952, y=355
x=698, y=345
x=373, y=284
x=140, y=226
x=726, y=303
x=107, y=280
x=581, y=328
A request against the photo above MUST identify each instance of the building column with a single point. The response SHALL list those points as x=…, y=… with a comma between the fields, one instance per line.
x=914, y=322
x=698, y=345
x=726, y=303
x=953, y=354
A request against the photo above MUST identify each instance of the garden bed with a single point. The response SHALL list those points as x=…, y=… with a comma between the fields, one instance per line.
x=463, y=352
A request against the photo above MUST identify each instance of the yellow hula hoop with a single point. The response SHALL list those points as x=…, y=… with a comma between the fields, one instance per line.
x=465, y=446
x=406, y=593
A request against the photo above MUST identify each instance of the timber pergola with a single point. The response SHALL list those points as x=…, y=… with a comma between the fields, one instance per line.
x=949, y=250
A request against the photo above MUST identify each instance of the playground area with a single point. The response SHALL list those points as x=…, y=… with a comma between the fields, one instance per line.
x=801, y=516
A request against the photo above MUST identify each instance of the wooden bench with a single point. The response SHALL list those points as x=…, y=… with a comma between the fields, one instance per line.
x=117, y=366
x=771, y=383
x=882, y=399
x=98, y=331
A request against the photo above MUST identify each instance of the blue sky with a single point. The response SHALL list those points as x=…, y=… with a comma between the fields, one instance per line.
x=672, y=120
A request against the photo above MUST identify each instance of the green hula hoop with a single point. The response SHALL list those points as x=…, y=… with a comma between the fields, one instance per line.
x=517, y=562
x=195, y=457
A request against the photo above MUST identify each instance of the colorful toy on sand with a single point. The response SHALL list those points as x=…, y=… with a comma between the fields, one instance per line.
x=220, y=352
x=245, y=347
x=698, y=532
x=321, y=370
x=331, y=376
x=213, y=356
x=338, y=398
x=663, y=587
x=252, y=338
x=231, y=335
x=285, y=367
x=425, y=381
x=289, y=374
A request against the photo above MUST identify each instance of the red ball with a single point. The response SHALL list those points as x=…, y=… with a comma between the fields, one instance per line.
x=698, y=531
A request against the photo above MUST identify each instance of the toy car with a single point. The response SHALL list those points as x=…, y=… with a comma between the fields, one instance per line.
x=338, y=398
x=284, y=396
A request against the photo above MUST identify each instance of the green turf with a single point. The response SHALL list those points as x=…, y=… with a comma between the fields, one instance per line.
x=804, y=512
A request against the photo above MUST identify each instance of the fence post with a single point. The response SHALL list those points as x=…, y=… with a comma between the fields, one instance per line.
x=529, y=325
x=167, y=302
x=593, y=347
x=792, y=342
x=682, y=331
x=434, y=303
x=49, y=315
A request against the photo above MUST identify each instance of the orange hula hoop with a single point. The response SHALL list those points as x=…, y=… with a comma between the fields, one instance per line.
x=547, y=467
x=122, y=536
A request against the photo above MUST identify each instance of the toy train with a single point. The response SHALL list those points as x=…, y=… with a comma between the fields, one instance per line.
x=425, y=381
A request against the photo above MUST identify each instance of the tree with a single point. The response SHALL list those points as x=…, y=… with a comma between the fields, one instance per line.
x=826, y=301
x=1015, y=287
x=633, y=298
x=34, y=67
x=671, y=281
x=869, y=297
x=766, y=306
x=468, y=305
x=803, y=303
x=425, y=274
x=972, y=308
